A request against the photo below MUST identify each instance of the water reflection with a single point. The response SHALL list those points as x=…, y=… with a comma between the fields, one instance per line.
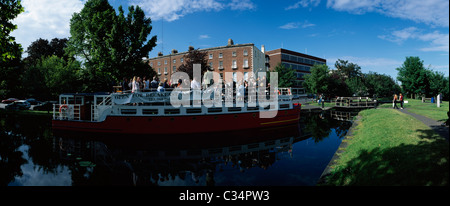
x=30, y=151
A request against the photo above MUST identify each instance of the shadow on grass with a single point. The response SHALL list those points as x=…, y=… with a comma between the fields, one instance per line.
x=426, y=163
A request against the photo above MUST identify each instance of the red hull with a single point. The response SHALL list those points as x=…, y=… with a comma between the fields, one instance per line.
x=179, y=124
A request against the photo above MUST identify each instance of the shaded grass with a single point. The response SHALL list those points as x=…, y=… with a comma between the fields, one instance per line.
x=391, y=148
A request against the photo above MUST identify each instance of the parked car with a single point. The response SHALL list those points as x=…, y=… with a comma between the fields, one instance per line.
x=18, y=105
x=9, y=100
x=33, y=101
x=44, y=106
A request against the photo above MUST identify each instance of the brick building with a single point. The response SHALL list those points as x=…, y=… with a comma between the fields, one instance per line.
x=301, y=63
x=243, y=58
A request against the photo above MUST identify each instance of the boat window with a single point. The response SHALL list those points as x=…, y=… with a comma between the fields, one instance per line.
x=194, y=110
x=284, y=106
x=128, y=111
x=212, y=110
x=252, y=108
x=234, y=109
x=78, y=100
x=150, y=111
x=70, y=100
x=172, y=111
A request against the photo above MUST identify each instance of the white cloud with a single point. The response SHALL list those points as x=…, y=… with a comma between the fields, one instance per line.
x=437, y=41
x=204, y=36
x=241, y=5
x=45, y=19
x=304, y=4
x=295, y=25
x=171, y=10
x=431, y=12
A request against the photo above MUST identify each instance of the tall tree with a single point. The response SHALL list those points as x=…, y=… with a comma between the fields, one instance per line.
x=129, y=43
x=111, y=46
x=412, y=74
x=194, y=56
x=348, y=70
x=380, y=85
x=317, y=82
x=286, y=76
x=10, y=51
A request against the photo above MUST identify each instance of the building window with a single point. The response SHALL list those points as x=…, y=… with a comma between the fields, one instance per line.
x=174, y=69
x=174, y=61
x=210, y=56
x=220, y=64
x=245, y=52
x=165, y=70
x=234, y=65
x=234, y=53
x=220, y=55
x=181, y=60
x=211, y=67
x=245, y=63
x=165, y=61
x=159, y=71
x=159, y=63
x=151, y=64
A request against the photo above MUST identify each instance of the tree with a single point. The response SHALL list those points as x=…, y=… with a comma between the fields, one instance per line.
x=111, y=46
x=43, y=48
x=129, y=43
x=286, y=76
x=51, y=76
x=412, y=74
x=347, y=70
x=194, y=56
x=10, y=51
x=317, y=82
x=380, y=85
x=437, y=83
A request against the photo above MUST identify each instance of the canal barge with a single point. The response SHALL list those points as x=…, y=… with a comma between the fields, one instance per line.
x=151, y=113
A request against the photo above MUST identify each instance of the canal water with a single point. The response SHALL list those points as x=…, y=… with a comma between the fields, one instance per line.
x=31, y=154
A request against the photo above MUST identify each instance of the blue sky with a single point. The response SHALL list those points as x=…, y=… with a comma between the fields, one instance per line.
x=377, y=34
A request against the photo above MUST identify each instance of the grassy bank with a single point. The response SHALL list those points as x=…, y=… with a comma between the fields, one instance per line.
x=429, y=110
x=391, y=148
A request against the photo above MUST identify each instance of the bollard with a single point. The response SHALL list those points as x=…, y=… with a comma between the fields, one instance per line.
x=438, y=100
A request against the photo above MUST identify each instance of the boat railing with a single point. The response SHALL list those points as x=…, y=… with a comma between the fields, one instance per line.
x=67, y=111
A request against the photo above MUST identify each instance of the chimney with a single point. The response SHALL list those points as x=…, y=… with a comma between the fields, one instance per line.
x=230, y=42
x=263, y=49
x=174, y=51
x=191, y=48
x=160, y=54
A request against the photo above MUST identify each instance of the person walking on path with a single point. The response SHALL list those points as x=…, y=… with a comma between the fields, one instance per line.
x=401, y=101
x=394, y=102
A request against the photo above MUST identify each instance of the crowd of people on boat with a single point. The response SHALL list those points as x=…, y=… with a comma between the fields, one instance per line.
x=138, y=84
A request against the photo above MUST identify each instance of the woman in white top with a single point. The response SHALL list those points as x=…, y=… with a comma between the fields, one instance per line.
x=135, y=84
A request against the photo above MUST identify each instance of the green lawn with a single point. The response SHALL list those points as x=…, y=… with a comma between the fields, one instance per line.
x=429, y=110
x=391, y=148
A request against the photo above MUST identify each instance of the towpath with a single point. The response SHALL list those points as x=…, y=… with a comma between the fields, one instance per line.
x=433, y=124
